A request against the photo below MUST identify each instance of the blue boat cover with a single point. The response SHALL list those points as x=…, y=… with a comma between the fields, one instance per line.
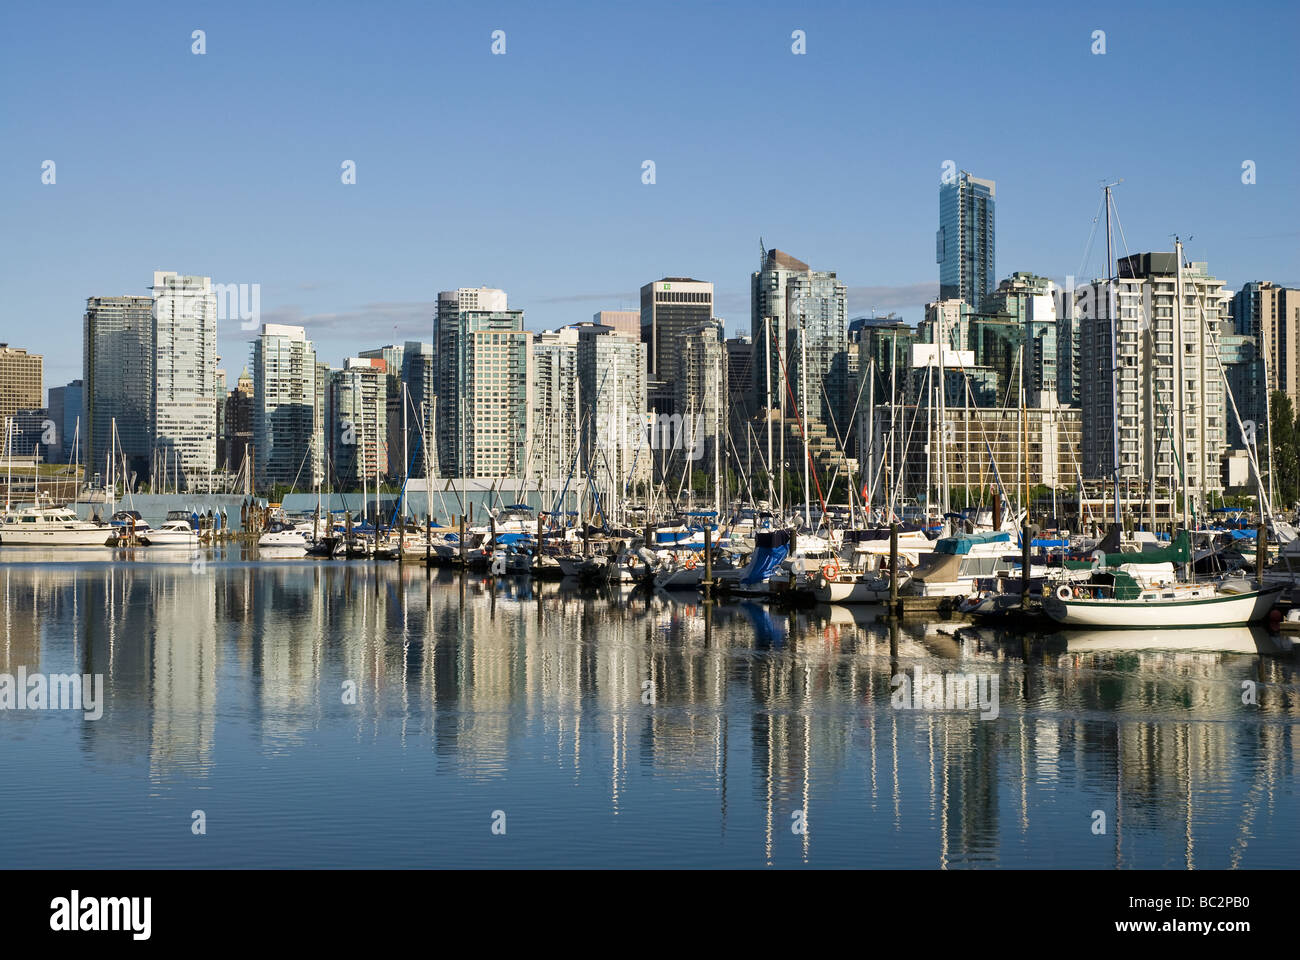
x=764, y=562
x=962, y=545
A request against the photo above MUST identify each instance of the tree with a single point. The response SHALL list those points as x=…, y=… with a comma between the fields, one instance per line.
x=1285, y=459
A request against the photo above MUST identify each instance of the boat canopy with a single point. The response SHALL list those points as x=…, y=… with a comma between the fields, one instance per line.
x=962, y=545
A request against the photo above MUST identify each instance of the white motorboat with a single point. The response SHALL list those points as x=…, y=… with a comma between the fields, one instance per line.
x=284, y=540
x=173, y=533
x=37, y=526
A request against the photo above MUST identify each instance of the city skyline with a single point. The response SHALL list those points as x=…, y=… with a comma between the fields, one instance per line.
x=258, y=198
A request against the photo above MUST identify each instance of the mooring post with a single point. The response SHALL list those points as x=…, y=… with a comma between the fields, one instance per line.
x=708, y=562
x=537, y=559
x=1024, y=564
x=893, y=569
x=461, y=544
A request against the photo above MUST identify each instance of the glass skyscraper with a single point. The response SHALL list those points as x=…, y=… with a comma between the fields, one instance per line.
x=118, y=374
x=964, y=244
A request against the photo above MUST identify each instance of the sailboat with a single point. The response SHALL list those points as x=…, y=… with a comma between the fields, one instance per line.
x=1143, y=590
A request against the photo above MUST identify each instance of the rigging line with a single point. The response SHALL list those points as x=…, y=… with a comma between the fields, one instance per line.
x=812, y=467
x=1087, y=249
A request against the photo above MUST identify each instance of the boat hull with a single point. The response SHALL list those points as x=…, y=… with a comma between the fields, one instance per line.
x=1221, y=611
x=57, y=538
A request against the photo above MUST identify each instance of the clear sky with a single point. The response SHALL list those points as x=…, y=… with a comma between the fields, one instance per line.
x=524, y=170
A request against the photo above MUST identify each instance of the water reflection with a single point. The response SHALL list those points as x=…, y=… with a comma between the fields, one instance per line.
x=628, y=728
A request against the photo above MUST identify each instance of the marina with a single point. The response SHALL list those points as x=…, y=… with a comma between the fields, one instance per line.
x=613, y=726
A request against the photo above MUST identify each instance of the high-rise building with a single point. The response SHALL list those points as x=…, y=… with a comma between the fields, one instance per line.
x=118, y=373
x=700, y=392
x=669, y=308
x=185, y=367
x=284, y=409
x=802, y=315
x=222, y=390
x=238, y=422
x=624, y=321
x=449, y=345
x=1243, y=367
x=484, y=393
x=964, y=244
x=22, y=380
x=555, y=435
x=613, y=396
x=392, y=357
x=321, y=421
x=419, y=376
x=359, y=421
x=1159, y=416
x=1028, y=303
x=28, y=433
x=65, y=408
x=1271, y=314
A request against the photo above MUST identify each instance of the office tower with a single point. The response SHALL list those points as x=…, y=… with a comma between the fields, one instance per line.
x=612, y=391
x=185, y=366
x=1015, y=332
x=392, y=357
x=448, y=347
x=555, y=436
x=700, y=392
x=1067, y=352
x=239, y=422
x=118, y=374
x=221, y=391
x=798, y=321
x=953, y=317
x=669, y=308
x=1271, y=315
x=964, y=244
x=22, y=380
x=624, y=321
x=66, y=411
x=742, y=405
x=321, y=429
x=28, y=433
x=358, y=421
x=1243, y=367
x=284, y=409
x=418, y=374
x=1156, y=420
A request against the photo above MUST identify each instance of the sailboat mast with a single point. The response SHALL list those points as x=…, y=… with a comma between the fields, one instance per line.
x=803, y=413
x=1111, y=310
x=1179, y=385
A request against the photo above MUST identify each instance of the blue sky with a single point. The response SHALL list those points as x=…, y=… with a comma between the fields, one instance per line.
x=523, y=171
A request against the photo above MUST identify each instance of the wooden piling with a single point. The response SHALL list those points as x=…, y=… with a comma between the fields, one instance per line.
x=893, y=569
x=708, y=562
x=1024, y=564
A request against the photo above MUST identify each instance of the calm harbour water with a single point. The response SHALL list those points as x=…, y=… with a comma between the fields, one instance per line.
x=224, y=688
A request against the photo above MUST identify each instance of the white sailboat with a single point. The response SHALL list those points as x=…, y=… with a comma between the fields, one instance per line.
x=1144, y=591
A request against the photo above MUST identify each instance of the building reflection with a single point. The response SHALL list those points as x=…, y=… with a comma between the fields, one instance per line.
x=781, y=717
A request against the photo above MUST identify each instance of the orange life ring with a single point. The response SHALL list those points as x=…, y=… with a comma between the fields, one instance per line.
x=690, y=561
x=831, y=571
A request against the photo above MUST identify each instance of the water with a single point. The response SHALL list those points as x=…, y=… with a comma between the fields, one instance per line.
x=224, y=685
